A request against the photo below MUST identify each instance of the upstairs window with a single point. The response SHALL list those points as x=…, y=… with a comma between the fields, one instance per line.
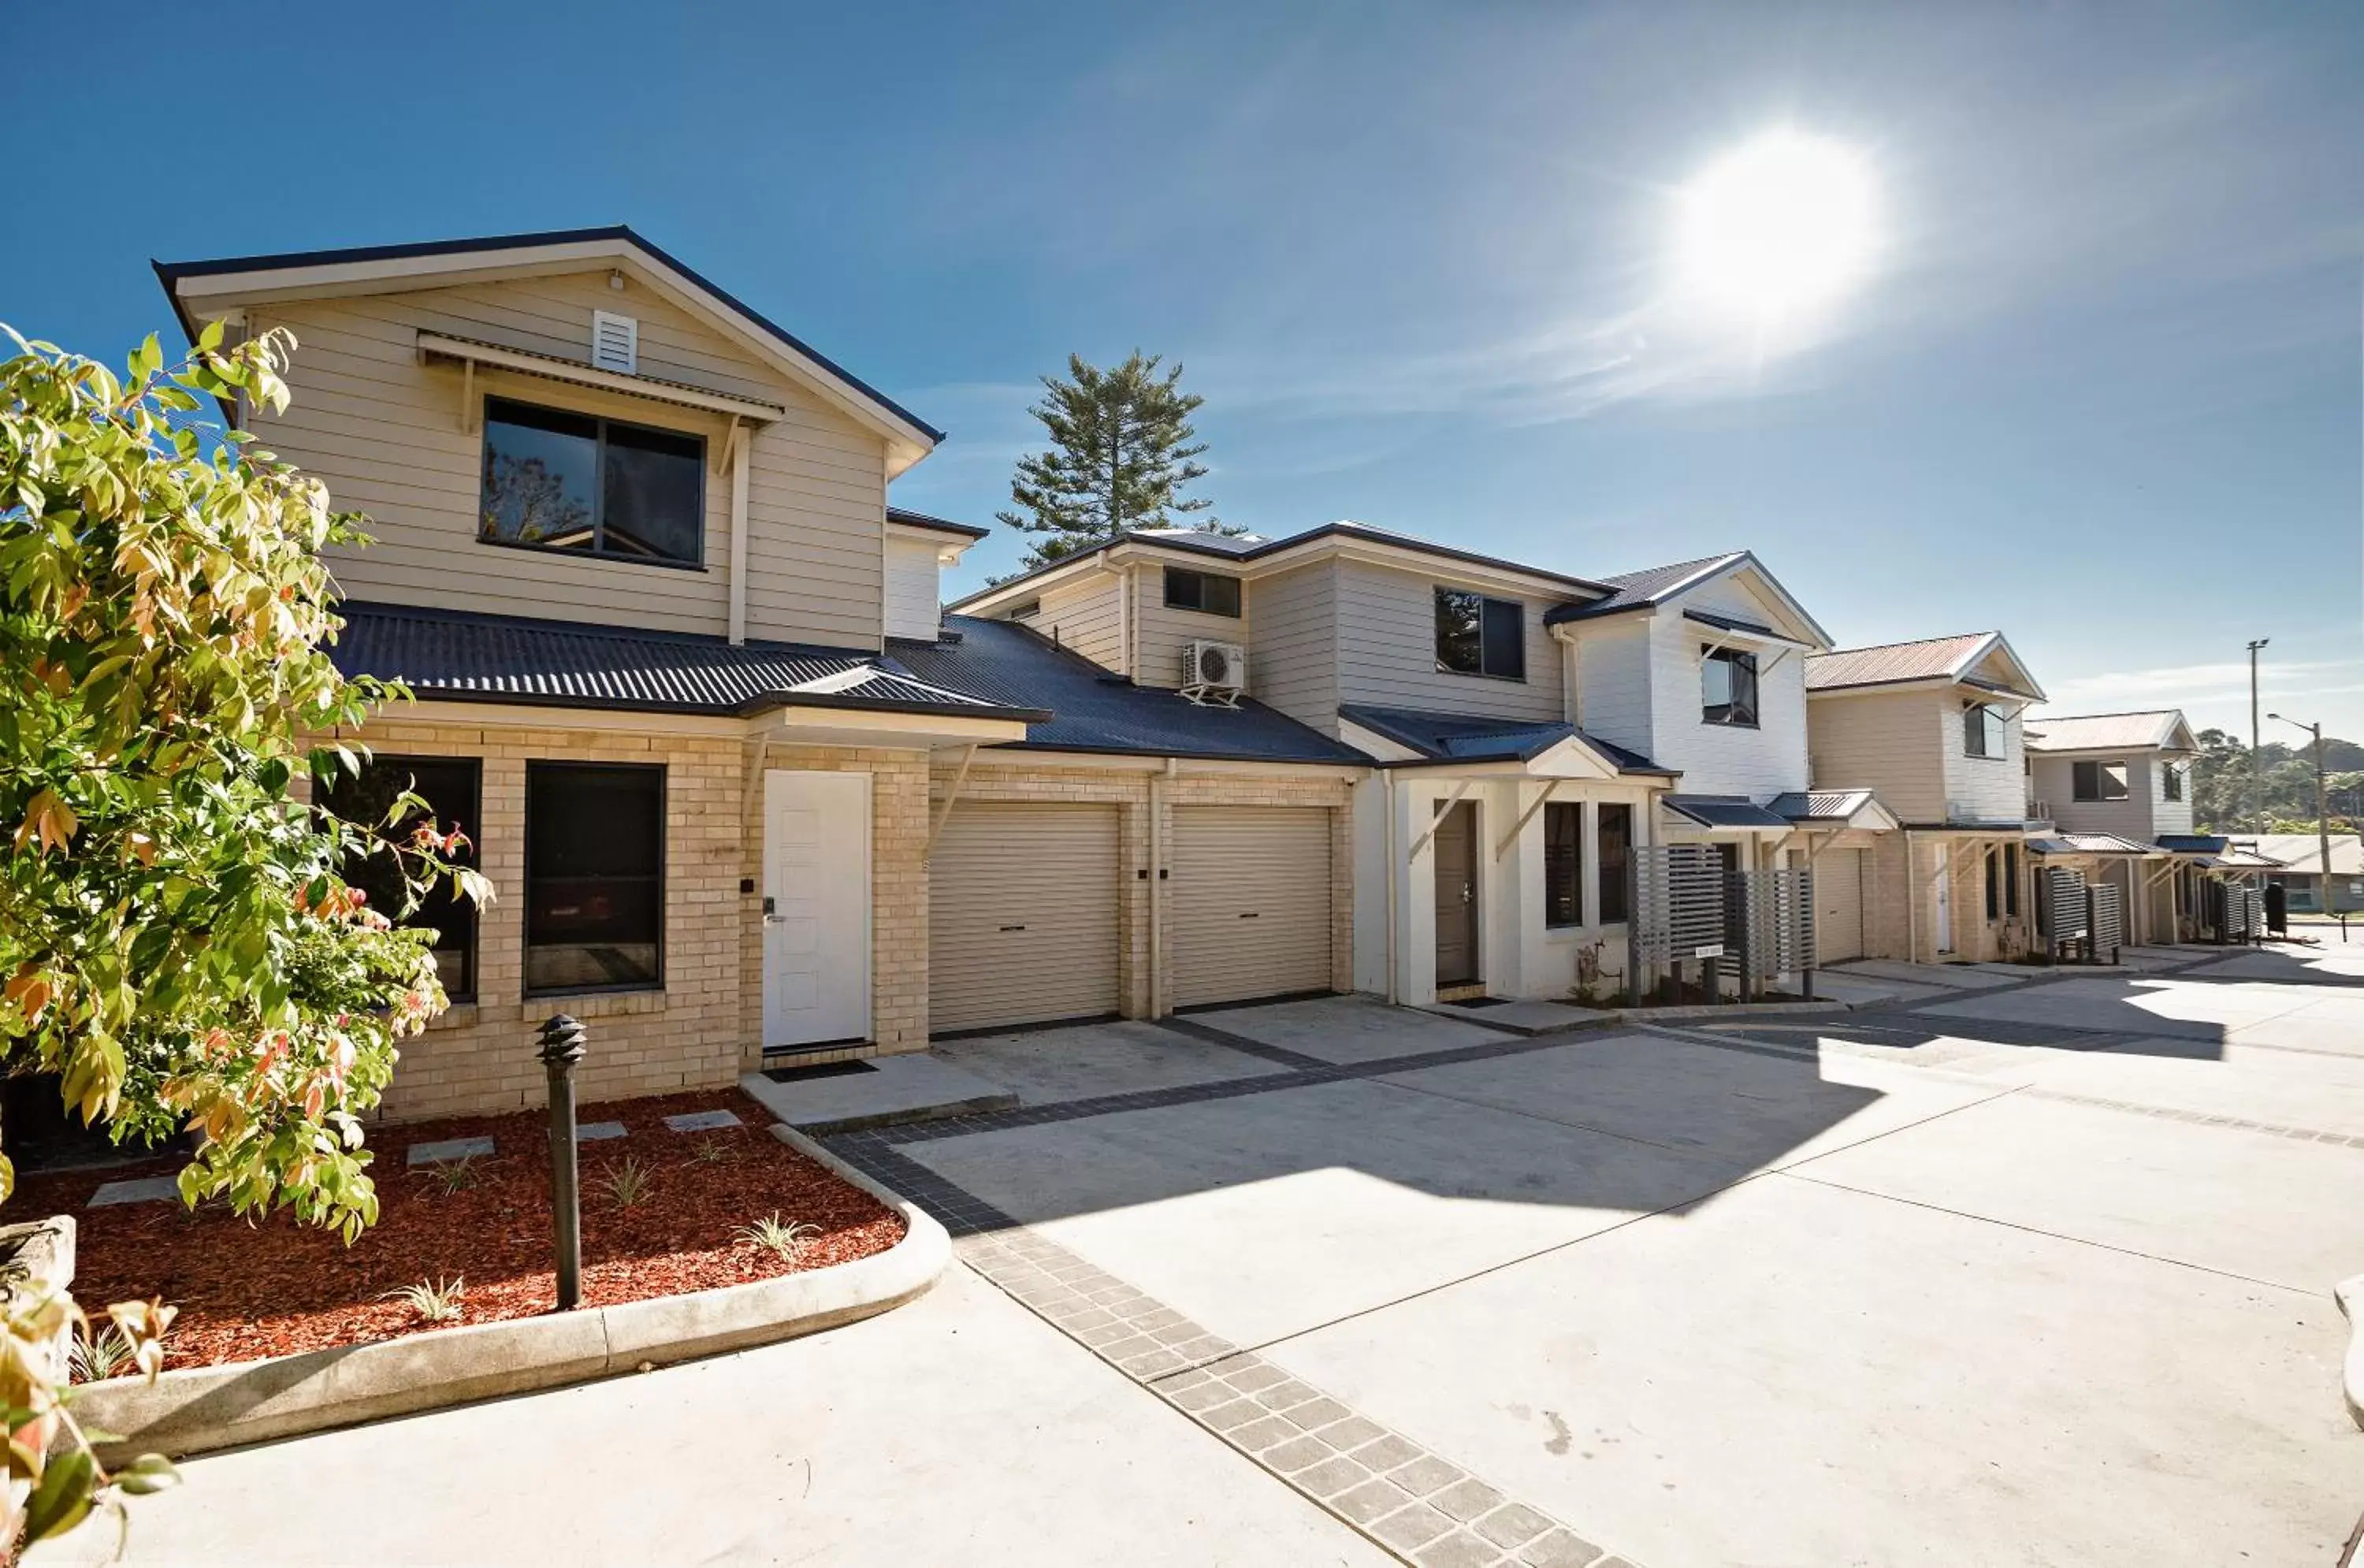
x=592, y=486
x=2171, y=782
x=2098, y=781
x=449, y=786
x=1728, y=687
x=1563, y=865
x=1478, y=636
x=594, y=876
x=1982, y=730
x=1205, y=592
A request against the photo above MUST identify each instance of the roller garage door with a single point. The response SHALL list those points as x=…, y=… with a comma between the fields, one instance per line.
x=1023, y=915
x=1251, y=902
x=1838, y=905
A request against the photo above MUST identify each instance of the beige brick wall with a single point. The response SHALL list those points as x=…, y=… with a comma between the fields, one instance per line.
x=1976, y=939
x=1145, y=803
x=479, y=1057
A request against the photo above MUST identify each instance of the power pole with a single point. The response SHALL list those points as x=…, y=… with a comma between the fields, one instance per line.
x=2256, y=782
x=2321, y=813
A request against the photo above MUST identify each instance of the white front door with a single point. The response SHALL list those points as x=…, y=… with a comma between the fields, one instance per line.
x=1944, y=899
x=816, y=908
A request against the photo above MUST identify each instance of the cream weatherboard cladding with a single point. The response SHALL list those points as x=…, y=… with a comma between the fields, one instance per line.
x=1892, y=742
x=1293, y=645
x=1386, y=650
x=1161, y=634
x=914, y=602
x=1087, y=614
x=385, y=433
x=1252, y=902
x=1022, y=915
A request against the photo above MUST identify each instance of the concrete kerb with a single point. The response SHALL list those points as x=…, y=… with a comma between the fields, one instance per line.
x=202, y=1408
x=2349, y=1294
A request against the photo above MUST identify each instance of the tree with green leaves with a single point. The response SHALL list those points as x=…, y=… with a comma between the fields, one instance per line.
x=179, y=942
x=1122, y=448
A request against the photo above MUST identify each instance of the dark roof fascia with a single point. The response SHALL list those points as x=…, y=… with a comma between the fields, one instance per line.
x=706, y=710
x=1274, y=546
x=902, y=519
x=171, y=273
x=1733, y=623
x=1250, y=758
x=770, y=700
x=1563, y=614
x=600, y=629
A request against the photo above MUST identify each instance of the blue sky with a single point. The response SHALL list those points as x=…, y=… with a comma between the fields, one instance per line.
x=2103, y=390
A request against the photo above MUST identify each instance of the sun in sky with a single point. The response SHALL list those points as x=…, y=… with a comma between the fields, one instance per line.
x=1781, y=229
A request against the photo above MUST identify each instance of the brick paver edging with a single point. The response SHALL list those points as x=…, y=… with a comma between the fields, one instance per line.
x=1418, y=1506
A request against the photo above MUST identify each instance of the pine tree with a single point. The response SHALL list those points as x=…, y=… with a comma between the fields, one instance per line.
x=1122, y=447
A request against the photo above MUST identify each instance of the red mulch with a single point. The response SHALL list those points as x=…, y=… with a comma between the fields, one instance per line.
x=272, y=1287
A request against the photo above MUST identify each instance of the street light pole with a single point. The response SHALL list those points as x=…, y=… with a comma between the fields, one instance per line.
x=2321, y=811
x=2257, y=782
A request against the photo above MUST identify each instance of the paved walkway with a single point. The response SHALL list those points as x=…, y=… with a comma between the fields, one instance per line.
x=2037, y=1273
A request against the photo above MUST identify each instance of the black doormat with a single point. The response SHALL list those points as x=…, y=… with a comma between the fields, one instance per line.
x=1478, y=1002
x=822, y=1069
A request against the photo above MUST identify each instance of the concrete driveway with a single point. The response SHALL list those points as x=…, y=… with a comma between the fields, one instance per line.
x=2034, y=1274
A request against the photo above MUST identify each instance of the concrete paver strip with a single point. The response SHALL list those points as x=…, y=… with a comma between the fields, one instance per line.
x=448, y=1148
x=144, y=1189
x=1349, y=1029
x=1421, y=1506
x=1047, y=1066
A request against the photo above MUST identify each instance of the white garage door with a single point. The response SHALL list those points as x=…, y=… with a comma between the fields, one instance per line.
x=1023, y=915
x=1838, y=905
x=1251, y=902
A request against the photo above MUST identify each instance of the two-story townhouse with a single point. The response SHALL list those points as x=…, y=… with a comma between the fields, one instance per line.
x=680, y=671
x=2117, y=785
x=1934, y=728
x=1528, y=727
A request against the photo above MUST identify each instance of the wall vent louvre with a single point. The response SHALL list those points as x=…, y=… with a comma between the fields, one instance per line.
x=615, y=342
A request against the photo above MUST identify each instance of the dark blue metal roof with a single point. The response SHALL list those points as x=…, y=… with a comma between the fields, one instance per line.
x=459, y=656
x=1473, y=738
x=1089, y=709
x=1722, y=811
x=1636, y=590
x=2193, y=844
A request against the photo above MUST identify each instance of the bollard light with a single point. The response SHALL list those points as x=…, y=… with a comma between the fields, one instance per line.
x=562, y=1048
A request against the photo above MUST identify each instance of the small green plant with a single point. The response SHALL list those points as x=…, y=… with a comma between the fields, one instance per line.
x=454, y=1175
x=627, y=1182
x=100, y=1352
x=780, y=1240
x=711, y=1152
x=435, y=1302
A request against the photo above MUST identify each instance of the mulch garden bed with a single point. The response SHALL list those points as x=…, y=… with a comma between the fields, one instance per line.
x=272, y=1287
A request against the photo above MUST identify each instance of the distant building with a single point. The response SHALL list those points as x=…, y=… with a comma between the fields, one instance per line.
x=2300, y=855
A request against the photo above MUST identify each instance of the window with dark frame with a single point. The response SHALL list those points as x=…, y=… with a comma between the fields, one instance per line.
x=1727, y=686
x=1209, y=592
x=1563, y=865
x=1615, y=836
x=1478, y=636
x=452, y=788
x=2171, y=782
x=595, y=876
x=586, y=485
x=1983, y=730
x=1994, y=882
x=2097, y=781
x=2011, y=880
